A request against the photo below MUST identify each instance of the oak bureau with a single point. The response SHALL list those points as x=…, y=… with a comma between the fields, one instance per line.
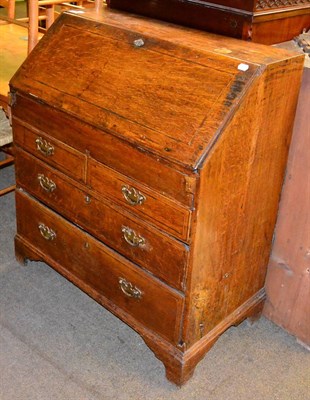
x=149, y=165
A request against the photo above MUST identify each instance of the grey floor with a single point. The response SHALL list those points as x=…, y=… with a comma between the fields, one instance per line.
x=56, y=343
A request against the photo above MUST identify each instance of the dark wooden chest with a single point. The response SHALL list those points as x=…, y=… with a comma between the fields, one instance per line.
x=262, y=21
x=149, y=164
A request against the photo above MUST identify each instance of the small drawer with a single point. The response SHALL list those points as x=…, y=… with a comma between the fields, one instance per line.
x=139, y=200
x=160, y=254
x=96, y=269
x=53, y=152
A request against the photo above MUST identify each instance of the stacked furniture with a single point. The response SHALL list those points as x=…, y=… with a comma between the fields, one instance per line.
x=263, y=21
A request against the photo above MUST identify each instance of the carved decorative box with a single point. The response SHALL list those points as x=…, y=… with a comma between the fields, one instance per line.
x=263, y=21
x=149, y=164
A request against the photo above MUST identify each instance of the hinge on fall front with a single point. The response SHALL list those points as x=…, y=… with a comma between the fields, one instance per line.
x=190, y=184
x=12, y=99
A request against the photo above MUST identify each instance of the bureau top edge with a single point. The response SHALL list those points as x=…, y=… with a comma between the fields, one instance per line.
x=251, y=52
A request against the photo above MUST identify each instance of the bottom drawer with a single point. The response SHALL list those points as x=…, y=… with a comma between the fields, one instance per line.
x=147, y=300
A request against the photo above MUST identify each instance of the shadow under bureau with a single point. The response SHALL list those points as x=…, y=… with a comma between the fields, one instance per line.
x=149, y=164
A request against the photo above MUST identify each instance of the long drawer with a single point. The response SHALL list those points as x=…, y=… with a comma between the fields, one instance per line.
x=158, y=253
x=86, y=260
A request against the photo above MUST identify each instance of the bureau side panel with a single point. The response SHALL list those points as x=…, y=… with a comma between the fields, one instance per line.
x=237, y=207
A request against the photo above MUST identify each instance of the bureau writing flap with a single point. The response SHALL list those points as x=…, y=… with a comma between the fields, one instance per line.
x=167, y=98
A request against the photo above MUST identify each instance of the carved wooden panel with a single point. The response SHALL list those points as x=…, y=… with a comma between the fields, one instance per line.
x=267, y=4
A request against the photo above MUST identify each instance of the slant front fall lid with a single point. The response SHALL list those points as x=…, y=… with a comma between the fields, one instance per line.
x=126, y=76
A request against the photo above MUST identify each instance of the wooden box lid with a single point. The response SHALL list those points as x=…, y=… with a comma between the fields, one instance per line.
x=168, y=90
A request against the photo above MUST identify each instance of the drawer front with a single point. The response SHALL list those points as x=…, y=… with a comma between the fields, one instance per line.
x=140, y=200
x=53, y=152
x=93, y=266
x=108, y=149
x=158, y=253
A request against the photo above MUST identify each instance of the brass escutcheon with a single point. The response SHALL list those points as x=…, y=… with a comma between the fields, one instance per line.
x=132, y=195
x=132, y=238
x=47, y=184
x=44, y=147
x=129, y=290
x=46, y=232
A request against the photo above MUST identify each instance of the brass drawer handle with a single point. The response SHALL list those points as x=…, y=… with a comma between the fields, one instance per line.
x=44, y=147
x=132, y=238
x=47, y=184
x=46, y=232
x=132, y=195
x=129, y=290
